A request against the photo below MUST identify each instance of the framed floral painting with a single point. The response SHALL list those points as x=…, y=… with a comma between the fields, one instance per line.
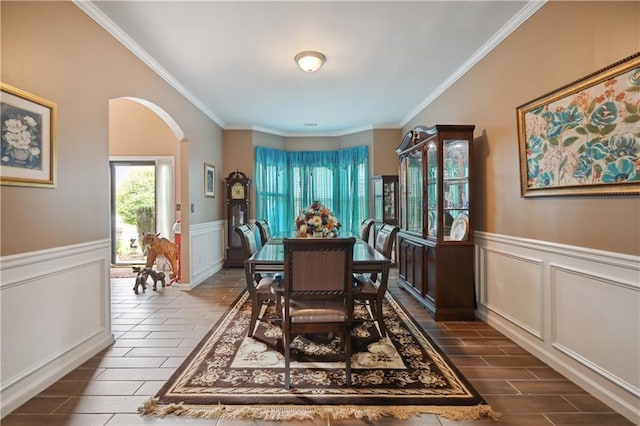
x=584, y=138
x=27, y=149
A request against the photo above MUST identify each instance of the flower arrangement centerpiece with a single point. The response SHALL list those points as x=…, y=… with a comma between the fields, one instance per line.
x=317, y=221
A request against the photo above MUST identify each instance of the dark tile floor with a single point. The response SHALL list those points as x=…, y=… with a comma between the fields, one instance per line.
x=155, y=331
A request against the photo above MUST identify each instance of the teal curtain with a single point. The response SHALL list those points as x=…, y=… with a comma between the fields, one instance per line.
x=353, y=187
x=287, y=182
x=272, y=188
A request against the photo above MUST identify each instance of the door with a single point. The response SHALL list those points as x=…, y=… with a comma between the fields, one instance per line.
x=133, y=209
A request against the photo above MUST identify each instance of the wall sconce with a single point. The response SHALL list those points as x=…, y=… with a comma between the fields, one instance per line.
x=310, y=61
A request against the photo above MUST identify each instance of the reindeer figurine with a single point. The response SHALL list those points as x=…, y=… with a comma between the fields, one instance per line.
x=157, y=277
x=143, y=275
x=141, y=279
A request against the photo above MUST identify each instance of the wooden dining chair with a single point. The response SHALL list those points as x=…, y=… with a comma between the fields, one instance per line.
x=365, y=229
x=258, y=286
x=371, y=288
x=317, y=293
x=264, y=230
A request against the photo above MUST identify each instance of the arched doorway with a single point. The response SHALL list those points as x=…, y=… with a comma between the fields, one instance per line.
x=144, y=144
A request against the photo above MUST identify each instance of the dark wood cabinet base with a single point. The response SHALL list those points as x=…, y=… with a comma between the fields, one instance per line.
x=441, y=278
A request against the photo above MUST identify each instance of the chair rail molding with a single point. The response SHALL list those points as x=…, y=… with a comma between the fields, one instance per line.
x=545, y=296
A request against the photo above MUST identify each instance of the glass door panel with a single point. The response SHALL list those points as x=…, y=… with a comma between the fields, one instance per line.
x=432, y=189
x=456, y=190
x=377, y=202
x=414, y=192
x=133, y=209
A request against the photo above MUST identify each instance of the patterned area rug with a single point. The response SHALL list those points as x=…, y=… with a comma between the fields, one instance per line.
x=230, y=375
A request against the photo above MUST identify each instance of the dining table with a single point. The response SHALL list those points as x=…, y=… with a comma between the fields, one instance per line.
x=366, y=260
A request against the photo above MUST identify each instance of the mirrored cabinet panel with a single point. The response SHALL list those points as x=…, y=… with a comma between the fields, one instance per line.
x=435, y=242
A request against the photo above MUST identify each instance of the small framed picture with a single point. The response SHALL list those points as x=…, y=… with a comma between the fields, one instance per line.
x=209, y=180
x=27, y=148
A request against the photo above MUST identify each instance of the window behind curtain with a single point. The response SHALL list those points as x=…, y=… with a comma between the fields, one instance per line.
x=338, y=179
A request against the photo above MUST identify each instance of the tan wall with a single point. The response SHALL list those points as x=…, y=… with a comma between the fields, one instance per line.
x=312, y=143
x=239, y=154
x=384, y=158
x=135, y=130
x=67, y=58
x=562, y=42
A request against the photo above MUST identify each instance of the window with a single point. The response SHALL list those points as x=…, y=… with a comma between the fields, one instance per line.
x=287, y=182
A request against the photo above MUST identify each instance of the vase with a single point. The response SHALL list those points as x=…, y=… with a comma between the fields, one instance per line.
x=317, y=234
x=20, y=155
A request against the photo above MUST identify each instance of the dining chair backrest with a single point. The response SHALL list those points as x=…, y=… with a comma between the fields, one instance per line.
x=247, y=240
x=318, y=265
x=385, y=238
x=365, y=229
x=264, y=230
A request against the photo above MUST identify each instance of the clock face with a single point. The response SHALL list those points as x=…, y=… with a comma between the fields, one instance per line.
x=237, y=191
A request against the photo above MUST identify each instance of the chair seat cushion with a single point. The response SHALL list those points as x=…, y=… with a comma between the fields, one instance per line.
x=317, y=310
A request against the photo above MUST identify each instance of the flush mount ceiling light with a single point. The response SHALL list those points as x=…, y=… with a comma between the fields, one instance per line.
x=310, y=60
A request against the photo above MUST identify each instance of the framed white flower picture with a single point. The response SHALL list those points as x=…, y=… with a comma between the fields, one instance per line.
x=27, y=148
x=584, y=138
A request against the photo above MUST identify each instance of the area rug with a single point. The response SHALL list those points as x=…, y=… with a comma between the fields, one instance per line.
x=230, y=375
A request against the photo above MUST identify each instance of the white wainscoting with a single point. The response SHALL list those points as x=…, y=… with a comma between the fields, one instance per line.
x=206, y=248
x=56, y=314
x=576, y=309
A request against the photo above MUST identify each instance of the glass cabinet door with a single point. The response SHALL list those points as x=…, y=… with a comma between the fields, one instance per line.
x=414, y=191
x=432, y=189
x=378, y=199
x=389, y=201
x=455, y=218
x=402, y=183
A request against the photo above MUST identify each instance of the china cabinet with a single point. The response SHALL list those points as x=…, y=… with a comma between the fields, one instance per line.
x=385, y=204
x=435, y=242
x=385, y=199
x=237, y=195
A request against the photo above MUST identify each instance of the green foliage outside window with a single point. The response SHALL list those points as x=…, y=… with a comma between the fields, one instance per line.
x=135, y=193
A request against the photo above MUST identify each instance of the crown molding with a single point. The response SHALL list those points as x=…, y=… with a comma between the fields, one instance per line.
x=524, y=14
x=94, y=13
x=316, y=134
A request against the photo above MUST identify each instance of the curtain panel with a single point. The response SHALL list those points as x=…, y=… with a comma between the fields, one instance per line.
x=288, y=181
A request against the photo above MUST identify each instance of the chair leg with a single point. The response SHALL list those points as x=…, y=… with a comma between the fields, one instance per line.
x=287, y=361
x=347, y=355
x=255, y=310
x=379, y=317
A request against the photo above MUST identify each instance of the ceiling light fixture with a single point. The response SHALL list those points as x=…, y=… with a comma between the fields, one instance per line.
x=310, y=61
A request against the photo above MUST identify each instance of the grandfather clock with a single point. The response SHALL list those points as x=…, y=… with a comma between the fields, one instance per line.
x=237, y=192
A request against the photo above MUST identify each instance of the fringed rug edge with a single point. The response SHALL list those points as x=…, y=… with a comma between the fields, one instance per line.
x=153, y=407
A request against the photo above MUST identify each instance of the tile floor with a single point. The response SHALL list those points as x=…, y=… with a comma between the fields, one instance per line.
x=155, y=331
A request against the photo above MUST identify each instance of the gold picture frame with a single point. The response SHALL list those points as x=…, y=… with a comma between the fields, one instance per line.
x=27, y=148
x=584, y=138
x=209, y=180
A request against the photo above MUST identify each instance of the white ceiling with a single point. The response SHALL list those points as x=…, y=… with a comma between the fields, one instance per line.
x=386, y=60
